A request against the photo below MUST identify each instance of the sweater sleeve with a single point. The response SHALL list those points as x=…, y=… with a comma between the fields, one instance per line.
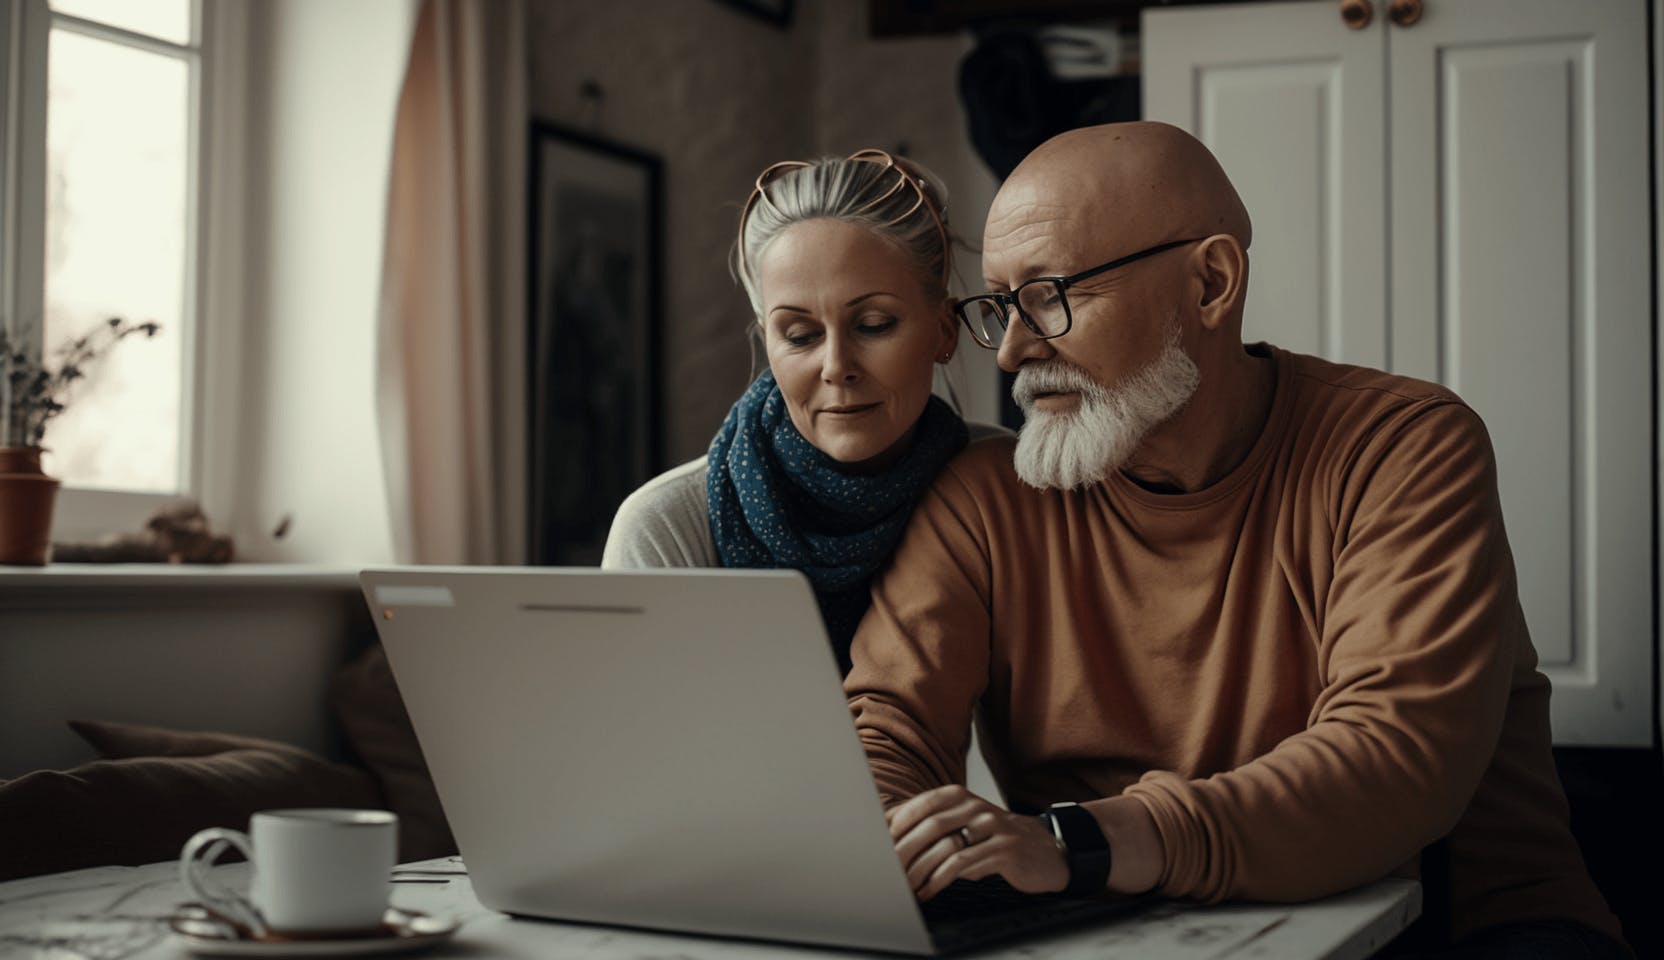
x=1416, y=651
x=665, y=523
x=921, y=653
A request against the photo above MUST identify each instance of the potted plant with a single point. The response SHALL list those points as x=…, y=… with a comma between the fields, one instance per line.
x=34, y=391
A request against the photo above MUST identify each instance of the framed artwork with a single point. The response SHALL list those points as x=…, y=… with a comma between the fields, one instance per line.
x=777, y=12
x=592, y=341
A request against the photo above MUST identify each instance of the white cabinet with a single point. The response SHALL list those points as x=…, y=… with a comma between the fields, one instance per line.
x=1465, y=199
x=1658, y=271
x=1293, y=104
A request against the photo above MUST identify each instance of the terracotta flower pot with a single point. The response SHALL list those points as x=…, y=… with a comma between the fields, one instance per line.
x=26, y=498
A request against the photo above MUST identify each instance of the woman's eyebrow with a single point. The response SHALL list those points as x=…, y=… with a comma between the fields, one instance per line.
x=850, y=303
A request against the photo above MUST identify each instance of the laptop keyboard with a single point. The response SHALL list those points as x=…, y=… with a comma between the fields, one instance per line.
x=970, y=898
x=973, y=912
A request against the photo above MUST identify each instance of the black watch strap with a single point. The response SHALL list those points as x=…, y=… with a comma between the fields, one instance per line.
x=1085, y=848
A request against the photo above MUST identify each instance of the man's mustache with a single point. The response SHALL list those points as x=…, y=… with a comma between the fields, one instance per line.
x=1051, y=376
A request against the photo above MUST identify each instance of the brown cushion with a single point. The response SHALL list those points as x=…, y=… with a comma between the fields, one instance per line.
x=366, y=701
x=141, y=810
x=118, y=741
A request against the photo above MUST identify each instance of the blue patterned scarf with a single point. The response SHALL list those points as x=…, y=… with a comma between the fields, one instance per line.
x=776, y=501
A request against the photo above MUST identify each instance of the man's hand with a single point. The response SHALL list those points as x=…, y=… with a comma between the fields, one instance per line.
x=950, y=834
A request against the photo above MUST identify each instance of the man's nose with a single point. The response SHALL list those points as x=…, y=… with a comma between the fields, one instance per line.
x=1020, y=344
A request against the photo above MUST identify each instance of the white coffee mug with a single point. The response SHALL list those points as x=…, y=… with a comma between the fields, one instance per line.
x=321, y=872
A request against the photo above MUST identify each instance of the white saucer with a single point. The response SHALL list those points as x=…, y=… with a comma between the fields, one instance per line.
x=206, y=935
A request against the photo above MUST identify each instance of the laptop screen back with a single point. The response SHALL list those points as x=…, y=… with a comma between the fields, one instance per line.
x=666, y=749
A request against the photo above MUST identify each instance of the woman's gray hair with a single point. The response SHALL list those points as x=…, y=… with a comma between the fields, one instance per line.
x=895, y=198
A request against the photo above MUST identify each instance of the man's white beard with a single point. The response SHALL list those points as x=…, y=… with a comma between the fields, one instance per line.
x=1081, y=447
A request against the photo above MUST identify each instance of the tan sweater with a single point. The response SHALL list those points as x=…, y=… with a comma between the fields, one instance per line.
x=1307, y=672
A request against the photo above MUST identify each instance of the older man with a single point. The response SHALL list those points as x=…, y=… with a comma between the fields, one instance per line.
x=1237, y=623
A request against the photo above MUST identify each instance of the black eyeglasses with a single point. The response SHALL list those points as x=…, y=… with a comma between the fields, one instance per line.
x=1042, y=303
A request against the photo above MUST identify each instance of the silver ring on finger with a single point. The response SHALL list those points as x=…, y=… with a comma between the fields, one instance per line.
x=965, y=837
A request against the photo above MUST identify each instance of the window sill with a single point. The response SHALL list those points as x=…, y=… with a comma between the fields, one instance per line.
x=31, y=583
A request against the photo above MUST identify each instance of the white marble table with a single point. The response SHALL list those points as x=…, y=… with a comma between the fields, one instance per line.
x=118, y=913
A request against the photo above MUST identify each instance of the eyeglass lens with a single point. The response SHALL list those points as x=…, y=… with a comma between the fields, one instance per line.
x=986, y=318
x=1041, y=301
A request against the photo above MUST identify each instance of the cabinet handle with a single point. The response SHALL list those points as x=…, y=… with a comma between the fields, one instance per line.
x=1405, y=13
x=1356, y=14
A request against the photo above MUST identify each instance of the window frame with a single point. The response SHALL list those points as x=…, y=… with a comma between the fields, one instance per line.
x=210, y=353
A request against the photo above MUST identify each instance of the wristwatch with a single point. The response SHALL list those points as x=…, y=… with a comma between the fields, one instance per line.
x=1084, y=846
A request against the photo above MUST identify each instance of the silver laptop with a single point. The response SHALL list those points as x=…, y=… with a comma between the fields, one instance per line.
x=661, y=749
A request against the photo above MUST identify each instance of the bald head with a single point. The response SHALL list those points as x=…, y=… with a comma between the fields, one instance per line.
x=1130, y=185
x=1142, y=369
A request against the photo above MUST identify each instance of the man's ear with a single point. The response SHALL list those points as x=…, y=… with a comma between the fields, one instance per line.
x=1223, y=266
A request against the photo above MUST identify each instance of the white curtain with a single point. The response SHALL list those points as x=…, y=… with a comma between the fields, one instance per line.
x=449, y=382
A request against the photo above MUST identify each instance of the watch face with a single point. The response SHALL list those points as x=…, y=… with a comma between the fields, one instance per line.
x=1084, y=846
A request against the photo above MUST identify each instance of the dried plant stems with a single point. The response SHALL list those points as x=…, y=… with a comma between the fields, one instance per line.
x=38, y=390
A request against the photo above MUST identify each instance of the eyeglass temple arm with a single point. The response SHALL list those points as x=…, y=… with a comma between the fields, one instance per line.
x=1121, y=262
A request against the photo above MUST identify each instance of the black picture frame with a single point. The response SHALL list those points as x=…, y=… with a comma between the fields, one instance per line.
x=594, y=308
x=777, y=12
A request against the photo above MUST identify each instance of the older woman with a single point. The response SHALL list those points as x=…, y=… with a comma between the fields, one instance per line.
x=820, y=462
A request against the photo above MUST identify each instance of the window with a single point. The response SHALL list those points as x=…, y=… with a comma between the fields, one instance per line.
x=110, y=174
x=120, y=124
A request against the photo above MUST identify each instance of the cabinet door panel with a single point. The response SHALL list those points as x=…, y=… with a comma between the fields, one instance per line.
x=1290, y=102
x=1657, y=272
x=1519, y=278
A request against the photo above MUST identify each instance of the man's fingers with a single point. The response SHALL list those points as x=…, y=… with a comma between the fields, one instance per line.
x=908, y=815
x=922, y=867
x=930, y=829
x=971, y=863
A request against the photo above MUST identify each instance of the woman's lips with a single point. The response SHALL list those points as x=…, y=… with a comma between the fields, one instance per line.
x=849, y=410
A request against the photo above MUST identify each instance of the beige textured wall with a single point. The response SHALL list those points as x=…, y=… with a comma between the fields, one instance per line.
x=894, y=93
x=719, y=95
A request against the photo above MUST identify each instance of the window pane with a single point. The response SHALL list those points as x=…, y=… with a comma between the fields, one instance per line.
x=116, y=229
x=167, y=19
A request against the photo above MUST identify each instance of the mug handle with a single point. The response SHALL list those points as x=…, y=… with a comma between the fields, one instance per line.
x=200, y=853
